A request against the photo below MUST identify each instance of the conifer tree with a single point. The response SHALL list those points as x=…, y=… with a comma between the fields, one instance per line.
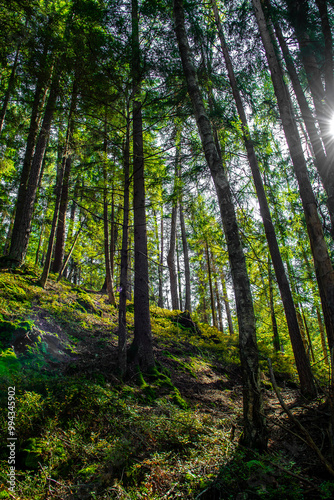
x=142, y=342
x=322, y=262
x=254, y=424
x=302, y=363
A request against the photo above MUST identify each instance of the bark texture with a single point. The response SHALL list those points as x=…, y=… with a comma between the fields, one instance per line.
x=276, y=340
x=187, y=305
x=122, y=329
x=47, y=263
x=327, y=33
x=171, y=260
x=255, y=434
x=227, y=304
x=161, y=259
x=212, y=298
x=23, y=219
x=142, y=343
x=322, y=263
x=10, y=88
x=322, y=163
x=40, y=91
x=67, y=155
x=107, y=259
x=302, y=363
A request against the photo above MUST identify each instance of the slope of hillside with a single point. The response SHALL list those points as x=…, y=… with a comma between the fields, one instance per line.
x=83, y=433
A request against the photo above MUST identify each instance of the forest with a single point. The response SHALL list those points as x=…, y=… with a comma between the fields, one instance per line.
x=166, y=249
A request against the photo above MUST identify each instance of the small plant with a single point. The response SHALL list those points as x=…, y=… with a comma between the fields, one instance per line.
x=9, y=364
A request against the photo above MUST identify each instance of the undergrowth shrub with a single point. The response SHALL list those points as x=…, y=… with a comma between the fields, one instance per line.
x=82, y=437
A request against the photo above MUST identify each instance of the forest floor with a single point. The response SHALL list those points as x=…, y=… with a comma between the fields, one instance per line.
x=82, y=433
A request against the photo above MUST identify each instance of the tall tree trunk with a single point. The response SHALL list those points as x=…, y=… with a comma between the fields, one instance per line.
x=47, y=264
x=171, y=259
x=322, y=163
x=219, y=307
x=255, y=435
x=212, y=298
x=178, y=268
x=114, y=247
x=276, y=341
x=299, y=12
x=130, y=268
x=172, y=244
x=302, y=362
x=113, y=235
x=61, y=227
x=158, y=249
x=109, y=280
x=69, y=238
x=322, y=262
x=10, y=87
x=40, y=92
x=299, y=17
x=122, y=330
x=109, y=276
x=202, y=307
x=66, y=260
x=322, y=336
x=227, y=304
x=187, y=305
x=316, y=303
x=328, y=67
x=301, y=326
x=308, y=335
x=39, y=244
x=72, y=214
x=142, y=342
x=22, y=226
x=218, y=297
x=9, y=234
x=161, y=258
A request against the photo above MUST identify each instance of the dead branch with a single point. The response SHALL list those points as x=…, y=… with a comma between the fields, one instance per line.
x=308, y=438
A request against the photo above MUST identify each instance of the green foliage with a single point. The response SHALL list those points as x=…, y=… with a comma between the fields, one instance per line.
x=9, y=364
x=6, y=166
x=7, y=328
x=33, y=451
x=257, y=477
x=186, y=367
x=144, y=438
x=85, y=302
x=15, y=296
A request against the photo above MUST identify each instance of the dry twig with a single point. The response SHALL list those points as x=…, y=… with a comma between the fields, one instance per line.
x=308, y=438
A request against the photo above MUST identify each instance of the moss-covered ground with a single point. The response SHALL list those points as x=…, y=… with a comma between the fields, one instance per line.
x=83, y=433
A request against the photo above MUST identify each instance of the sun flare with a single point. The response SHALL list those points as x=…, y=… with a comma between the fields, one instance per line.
x=331, y=126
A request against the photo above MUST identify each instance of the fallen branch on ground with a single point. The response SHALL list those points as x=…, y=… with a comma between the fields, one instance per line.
x=308, y=438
